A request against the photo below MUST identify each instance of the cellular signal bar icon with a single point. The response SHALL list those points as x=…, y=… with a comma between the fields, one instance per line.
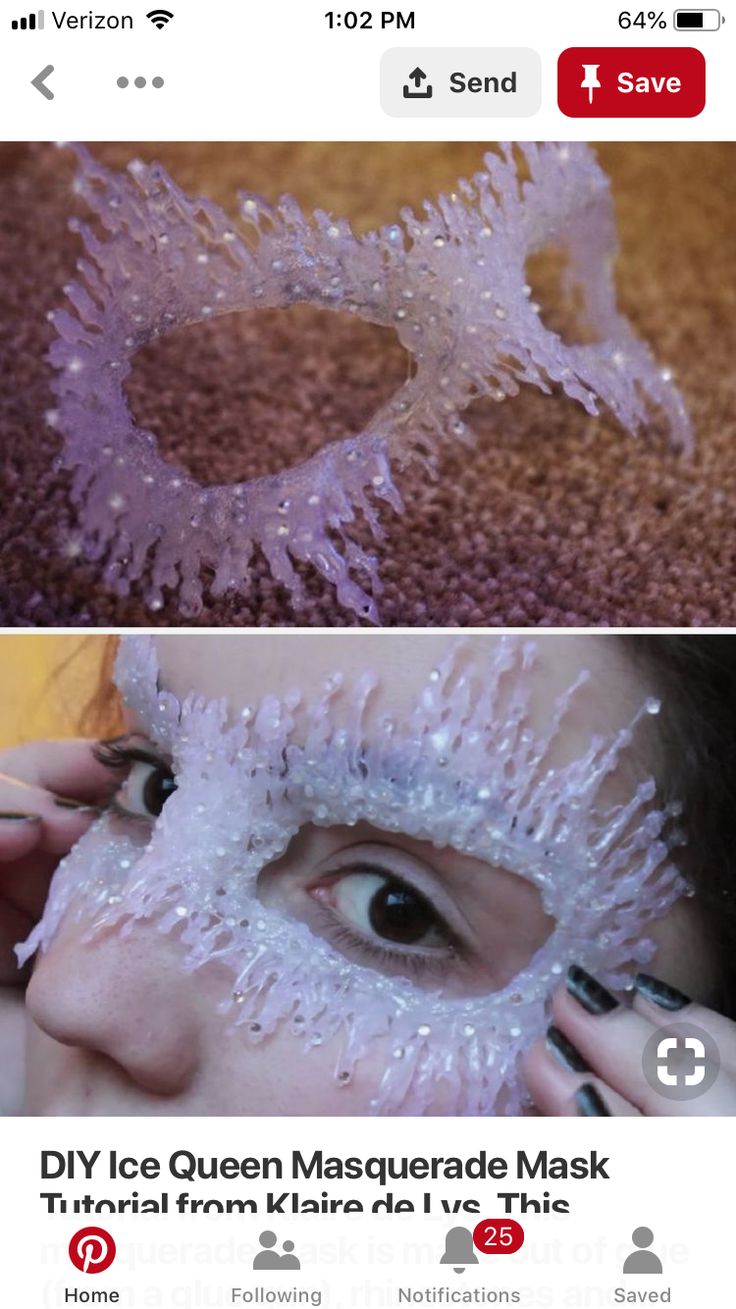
x=33, y=23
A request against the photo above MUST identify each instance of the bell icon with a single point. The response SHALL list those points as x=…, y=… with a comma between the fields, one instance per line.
x=459, y=1249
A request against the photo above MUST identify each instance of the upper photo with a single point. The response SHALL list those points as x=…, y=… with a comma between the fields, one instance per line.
x=398, y=384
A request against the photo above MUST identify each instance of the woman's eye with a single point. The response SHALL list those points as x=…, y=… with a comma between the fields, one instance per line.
x=145, y=790
x=384, y=909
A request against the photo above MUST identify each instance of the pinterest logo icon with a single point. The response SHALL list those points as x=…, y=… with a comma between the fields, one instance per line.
x=92, y=1250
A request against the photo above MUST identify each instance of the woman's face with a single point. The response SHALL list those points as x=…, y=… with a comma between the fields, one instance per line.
x=118, y=1026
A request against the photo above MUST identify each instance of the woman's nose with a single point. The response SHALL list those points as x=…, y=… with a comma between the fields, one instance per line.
x=125, y=998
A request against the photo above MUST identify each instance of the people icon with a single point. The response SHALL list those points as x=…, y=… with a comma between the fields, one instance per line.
x=289, y=1260
x=643, y=1260
x=268, y=1257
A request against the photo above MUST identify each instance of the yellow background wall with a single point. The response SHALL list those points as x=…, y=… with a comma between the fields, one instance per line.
x=46, y=680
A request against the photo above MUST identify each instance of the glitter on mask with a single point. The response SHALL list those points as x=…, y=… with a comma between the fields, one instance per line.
x=463, y=769
x=452, y=283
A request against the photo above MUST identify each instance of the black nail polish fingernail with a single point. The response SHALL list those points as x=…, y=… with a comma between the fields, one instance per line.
x=565, y=1051
x=62, y=802
x=590, y=1104
x=19, y=818
x=588, y=992
x=660, y=993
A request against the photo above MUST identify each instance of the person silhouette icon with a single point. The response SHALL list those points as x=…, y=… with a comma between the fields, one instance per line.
x=267, y=1257
x=643, y=1260
x=289, y=1260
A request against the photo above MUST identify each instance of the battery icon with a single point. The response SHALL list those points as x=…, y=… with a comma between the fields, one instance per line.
x=697, y=20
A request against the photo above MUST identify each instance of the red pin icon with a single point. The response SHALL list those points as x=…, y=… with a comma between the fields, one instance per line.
x=92, y=1250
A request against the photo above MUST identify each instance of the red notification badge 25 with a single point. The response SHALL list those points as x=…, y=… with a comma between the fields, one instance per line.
x=498, y=1236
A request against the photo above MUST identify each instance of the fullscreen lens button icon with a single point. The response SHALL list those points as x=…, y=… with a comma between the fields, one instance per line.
x=681, y=1062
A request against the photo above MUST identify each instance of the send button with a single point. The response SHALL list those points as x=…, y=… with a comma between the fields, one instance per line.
x=434, y=82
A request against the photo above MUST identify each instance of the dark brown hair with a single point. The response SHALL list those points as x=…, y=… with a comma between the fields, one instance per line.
x=102, y=715
x=696, y=677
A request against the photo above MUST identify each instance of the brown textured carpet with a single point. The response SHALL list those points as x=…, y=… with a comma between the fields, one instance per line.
x=554, y=519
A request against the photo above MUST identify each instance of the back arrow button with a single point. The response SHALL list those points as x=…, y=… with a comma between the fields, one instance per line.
x=39, y=80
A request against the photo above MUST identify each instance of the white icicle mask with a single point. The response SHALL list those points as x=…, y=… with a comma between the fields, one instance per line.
x=463, y=770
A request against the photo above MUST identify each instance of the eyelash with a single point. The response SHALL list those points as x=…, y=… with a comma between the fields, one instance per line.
x=383, y=957
x=120, y=754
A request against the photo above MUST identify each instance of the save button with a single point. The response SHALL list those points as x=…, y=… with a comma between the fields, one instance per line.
x=631, y=82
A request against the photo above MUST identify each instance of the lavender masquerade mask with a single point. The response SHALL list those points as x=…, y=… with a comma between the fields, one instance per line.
x=463, y=769
x=451, y=283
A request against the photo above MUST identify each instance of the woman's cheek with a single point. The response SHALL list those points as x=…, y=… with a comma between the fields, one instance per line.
x=277, y=1077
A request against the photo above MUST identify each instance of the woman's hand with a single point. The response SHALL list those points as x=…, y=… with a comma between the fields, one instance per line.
x=591, y=1062
x=50, y=791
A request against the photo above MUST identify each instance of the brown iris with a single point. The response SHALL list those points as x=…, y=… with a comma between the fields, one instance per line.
x=397, y=913
x=159, y=785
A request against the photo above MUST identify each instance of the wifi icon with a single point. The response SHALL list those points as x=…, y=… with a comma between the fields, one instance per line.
x=160, y=17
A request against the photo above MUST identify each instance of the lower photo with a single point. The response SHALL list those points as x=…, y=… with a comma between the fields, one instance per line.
x=367, y=873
